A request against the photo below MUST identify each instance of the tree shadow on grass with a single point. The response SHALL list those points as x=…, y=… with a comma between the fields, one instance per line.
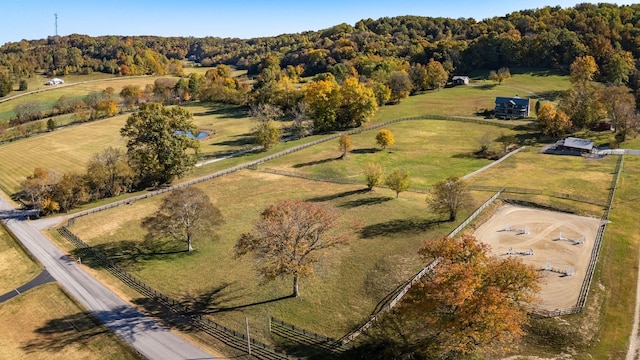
x=80, y=328
x=486, y=86
x=338, y=195
x=317, y=162
x=365, y=151
x=225, y=112
x=396, y=226
x=237, y=140
x=551, y=95
x=128, y=254
x=365, y=202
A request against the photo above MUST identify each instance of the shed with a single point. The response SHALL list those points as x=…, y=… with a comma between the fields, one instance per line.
x=575, y=144
x=514, y=107
x=54, y=81
x=460, y=80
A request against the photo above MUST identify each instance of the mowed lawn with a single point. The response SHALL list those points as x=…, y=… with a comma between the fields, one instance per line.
x=64, y=150
x=348, y=282
x=69, y=149
x=617, y=270
x=572, y=175
x=16, y=268
x=44, y=323
x=480, y=95
x=429, y=150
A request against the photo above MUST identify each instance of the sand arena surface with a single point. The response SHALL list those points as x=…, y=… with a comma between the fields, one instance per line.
x=557, y=290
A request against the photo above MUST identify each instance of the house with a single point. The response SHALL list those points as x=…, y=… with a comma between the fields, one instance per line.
x=514, y=107
x=54, y=81
x=577, y=145
x=460, y=80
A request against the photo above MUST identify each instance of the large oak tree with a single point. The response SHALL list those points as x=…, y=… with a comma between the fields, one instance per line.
x=157, y=146
x=472, y=302
x=288, y=238
x=184, y=215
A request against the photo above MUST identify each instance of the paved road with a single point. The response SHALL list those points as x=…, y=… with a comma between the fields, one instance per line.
x=145, y=335
x=42, y=278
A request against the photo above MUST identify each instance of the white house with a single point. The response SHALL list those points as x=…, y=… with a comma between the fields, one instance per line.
x=460, y=80
x=54, y=81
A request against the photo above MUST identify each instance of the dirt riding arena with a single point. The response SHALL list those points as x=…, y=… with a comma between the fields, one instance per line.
x=559, y=242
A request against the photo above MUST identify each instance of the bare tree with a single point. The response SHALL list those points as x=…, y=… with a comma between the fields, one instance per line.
x=449, y=196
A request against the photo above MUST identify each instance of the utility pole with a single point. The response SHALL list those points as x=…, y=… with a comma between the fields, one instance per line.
x=56, y=16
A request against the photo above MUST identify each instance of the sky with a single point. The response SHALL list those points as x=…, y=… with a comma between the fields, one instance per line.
x=34, y=19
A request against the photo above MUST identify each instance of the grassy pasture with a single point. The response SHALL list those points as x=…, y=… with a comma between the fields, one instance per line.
x=16, y=267
x=44, y=323
x=430, y=150
x=37, y=81
x=617, y=268
x=38, y=323
x=64, y=150
x=348, y=283
x=68, y=149
x=48, y=98
x=478, y=96
x=563, y=174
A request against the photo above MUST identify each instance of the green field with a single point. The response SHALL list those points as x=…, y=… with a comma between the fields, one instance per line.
x=16, y=267
x=347, y=284
x=429, y=150
x=64, y=150
x=351, y=280
x=43, y=323
x=48, y=98
x=478, y=96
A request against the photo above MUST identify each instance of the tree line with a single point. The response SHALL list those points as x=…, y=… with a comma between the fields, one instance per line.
x=158, y=151
x=548, y=37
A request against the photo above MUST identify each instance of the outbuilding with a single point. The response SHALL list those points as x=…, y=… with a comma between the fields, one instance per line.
x=460, y=80
x=578, y=145
x=55, y=81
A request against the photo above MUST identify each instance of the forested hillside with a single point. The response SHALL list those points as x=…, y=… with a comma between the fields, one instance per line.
x=550, y=37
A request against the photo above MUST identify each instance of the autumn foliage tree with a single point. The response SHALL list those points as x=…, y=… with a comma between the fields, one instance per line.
x=553, y=122
x=345, y=145
x=373, y=173
x=266, y=131
x=185, y=215
x=289, y=238
x=385, y=138
x=499, y=76
x=471, y=302
x=436, y=76
x=620, y=105
x=357, y=104
x=398, y=181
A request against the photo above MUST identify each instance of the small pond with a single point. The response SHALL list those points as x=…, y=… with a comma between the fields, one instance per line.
x=201, y=135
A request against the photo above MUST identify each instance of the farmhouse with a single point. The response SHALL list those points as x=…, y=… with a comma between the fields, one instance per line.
x=572, y=144
x=460, y=80
x=54, y=81
x=514, y=107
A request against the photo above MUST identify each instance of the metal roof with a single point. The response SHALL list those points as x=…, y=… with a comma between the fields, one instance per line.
x=576, y=143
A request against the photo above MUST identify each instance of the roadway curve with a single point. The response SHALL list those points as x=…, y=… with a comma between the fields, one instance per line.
x=144, y=334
